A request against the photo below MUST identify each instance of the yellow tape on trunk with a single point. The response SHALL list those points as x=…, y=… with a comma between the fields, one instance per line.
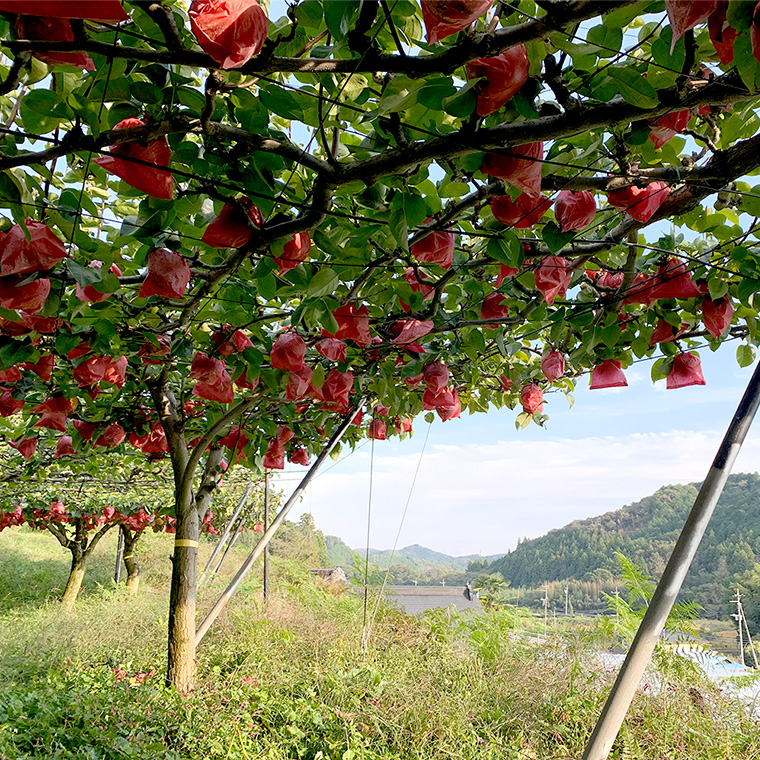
x=186, y=542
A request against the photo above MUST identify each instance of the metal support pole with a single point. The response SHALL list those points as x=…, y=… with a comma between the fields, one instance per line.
x=119, y=557
x=236, y=532
x=256, y=553
x=226, y=532
x=640, y=653
x=266, y=527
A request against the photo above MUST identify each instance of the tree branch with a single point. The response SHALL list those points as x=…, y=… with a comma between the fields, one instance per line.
x=478, y=45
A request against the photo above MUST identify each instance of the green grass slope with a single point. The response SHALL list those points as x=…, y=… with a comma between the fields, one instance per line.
x=293, y=680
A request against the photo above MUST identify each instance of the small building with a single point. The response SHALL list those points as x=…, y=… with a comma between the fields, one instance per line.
x=334, y=575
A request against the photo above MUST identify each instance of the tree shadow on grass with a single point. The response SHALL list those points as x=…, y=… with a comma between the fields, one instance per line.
x=28, y=582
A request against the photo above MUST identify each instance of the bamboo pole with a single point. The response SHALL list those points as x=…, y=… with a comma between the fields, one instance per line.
x=266, y=527
x=119, y=557
x=265, y=539
x=227, y=528
x=238, y=529
x=640, y=653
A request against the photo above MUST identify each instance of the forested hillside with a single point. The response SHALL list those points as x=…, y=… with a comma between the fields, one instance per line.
x=646, y=532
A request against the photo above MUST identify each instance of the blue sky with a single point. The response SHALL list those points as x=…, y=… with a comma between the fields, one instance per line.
x=482, y=484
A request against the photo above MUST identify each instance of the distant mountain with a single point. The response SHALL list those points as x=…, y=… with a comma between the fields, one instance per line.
x=423, y=565
x=646, y=532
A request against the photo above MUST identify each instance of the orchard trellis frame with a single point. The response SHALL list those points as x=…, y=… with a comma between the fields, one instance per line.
x=372, y=265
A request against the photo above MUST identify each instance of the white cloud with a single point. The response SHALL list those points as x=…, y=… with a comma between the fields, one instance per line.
x=481, y=498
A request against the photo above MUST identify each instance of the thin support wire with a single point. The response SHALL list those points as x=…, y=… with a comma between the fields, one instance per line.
x=398, y=534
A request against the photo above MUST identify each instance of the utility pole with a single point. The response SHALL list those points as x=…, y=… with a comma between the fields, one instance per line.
x=567, y=592
x=266, y=526
x=545, y=601
x=738, y=617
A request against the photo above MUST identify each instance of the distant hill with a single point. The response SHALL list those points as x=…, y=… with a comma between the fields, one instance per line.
x=646, y=532
x=422, y=564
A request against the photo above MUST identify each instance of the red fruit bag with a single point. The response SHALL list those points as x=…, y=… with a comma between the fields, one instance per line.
x=574, y=211
x=95, y=10
x=553, y=277
x=42, y=251
x=51, y=29
x=154, y=179
x=446, y=17
x=521, y=213
x=504, y=75
x=520, y=166
x=229, y=229
x=168, y=275
x=230, y=31
x=686, y=370
x=288, y=352
x=608, y=374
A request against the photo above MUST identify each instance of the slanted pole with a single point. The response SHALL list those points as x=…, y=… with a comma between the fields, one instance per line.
x=236, y=532
x=226, y=532
x=267, y=536
x=119, y=557
x=640, y=653
x=266, y=527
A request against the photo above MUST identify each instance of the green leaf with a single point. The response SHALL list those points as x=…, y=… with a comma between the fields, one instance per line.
x=506, y=249
x=462, y=104
x=267, y=286
x=745, y=355
x=523, y=420
x=429, y=417
x=12, y=195
x=662, y=55
x=608, y=38
x=340, y=16
x=611, y=335
x=555, y=239
x=633, y=87
x=407, y=210
x=282, y=102
x=83, y=275
x=745, y=61
x=739, y=14
x=42, y=111
x=746, y=291
x=318, y=376
x=718, y=288
x=249, y=110
x=499, y=340
x=400, y=94
x=146, y=92
x=435, y=91
x=661, y=368
x=16, y=352
x=324, y=282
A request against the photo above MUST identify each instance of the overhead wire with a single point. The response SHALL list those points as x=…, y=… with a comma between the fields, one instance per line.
x=398, y=534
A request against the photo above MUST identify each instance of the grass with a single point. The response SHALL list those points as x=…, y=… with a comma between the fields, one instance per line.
x=296, y=683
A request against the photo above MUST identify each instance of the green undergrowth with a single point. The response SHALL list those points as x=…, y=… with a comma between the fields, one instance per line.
x=295, y=681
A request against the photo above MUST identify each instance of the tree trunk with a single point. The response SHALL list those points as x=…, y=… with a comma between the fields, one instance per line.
x=130, y=561
x=181, y=664
x=74, y=583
